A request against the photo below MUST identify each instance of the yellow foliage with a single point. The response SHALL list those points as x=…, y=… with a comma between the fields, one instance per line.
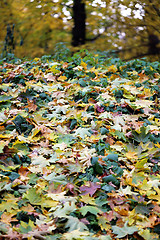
x=39, y=26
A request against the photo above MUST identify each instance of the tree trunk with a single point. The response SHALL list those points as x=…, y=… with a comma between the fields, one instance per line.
x=79, y=17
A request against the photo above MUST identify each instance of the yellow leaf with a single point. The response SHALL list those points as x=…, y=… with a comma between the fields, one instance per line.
x=36, y=59
x=77, y=233
x=35, y=131
x=54, y=70
x=147, y=235
x=103, y=223
x=47, y=203
x=62, y=78
x=157, y=196
x=120, y=210
x=131, y=155
x=157, y=145
x=19, y=142
x=88, y=199
x=132, y=73
x=132, y=216
x=30, y=223
x=51, y=136
x=6, y=136
x=142, y=164
x=112, y=68
x=84, y=65
x=145, y=185
x=2, y=144
x=147, y=92
x=94, y=138
x=157, y=121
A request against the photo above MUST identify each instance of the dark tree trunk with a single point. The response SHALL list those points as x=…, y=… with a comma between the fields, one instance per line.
x=79, y=29
x=153, y=42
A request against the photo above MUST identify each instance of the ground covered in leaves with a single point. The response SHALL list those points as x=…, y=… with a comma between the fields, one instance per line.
x=80, y=149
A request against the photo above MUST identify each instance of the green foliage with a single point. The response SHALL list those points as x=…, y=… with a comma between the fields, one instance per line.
x=61, y=52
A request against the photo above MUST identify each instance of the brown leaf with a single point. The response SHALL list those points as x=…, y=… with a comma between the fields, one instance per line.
x=90, y=189
x=31, y=106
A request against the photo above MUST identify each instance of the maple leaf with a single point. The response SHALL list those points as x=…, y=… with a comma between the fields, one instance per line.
x=105, y=237
x=2, y=144
x=131, y=156
x=40, y=160
x=155, y=182
x=31, y=106
x=4, y=227
x=74, y=223
x=104, y=223
x=106, y=115
x=63, y=109
x=112, y=68
x=33, y=197
x=3, y=116
x=82, y=132
x=62, y=78
x=8, y=205
x=147, y=235
x=124, y=231
x=143, y=103
x=86, y=155
x=155, y=196
x=60, y=179
x=126, y=191
x=7, y=217
x=26, y=227
x=60, y=196
x=87, y=199
x=91, y=209
x=64, y=211
x=79, y=235
x=89, y=189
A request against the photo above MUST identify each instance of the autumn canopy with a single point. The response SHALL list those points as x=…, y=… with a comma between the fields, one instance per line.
x=127, y=28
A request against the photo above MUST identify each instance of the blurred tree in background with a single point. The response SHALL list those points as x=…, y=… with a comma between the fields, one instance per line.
x=129, y=28
x=139, y=27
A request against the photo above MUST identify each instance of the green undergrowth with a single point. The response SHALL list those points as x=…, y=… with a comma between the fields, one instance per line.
x=79, y=148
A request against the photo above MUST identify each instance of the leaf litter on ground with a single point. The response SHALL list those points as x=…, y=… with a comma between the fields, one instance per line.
x=80, y=150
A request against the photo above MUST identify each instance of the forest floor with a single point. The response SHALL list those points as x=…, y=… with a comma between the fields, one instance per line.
x=80, y=149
